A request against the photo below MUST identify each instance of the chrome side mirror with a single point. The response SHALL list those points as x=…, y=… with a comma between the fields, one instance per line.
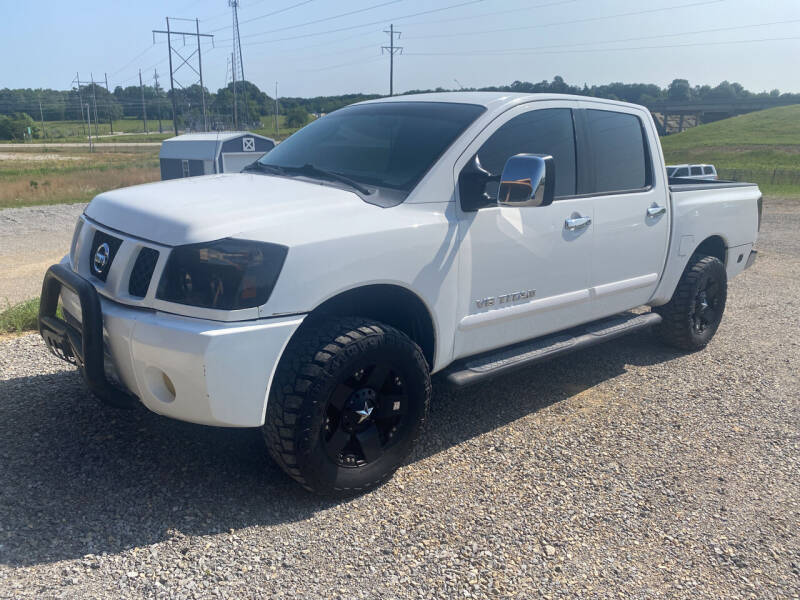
x=527, y=180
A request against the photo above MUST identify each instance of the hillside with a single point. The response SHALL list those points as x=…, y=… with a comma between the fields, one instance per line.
x=763, y=147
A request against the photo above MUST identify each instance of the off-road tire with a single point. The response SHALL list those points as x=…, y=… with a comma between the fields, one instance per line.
x=679, y=325
x=317, y=361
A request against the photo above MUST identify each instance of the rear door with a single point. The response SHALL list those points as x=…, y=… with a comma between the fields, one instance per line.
x=631, y=208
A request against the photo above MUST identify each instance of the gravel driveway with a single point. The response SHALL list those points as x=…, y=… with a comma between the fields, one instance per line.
x=627, y=470
x=32, y=239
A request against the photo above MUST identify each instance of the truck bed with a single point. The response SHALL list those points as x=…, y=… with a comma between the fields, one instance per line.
x=685, y=184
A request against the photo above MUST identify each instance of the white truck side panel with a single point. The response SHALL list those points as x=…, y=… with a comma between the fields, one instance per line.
x=730, y=213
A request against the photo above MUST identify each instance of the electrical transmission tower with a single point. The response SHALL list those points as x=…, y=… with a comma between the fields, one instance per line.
x=392, y=50
x=237, y=65
x=87, y=84
x=188, y=61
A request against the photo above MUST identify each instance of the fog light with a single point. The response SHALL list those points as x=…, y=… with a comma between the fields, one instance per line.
x=168, y=384
x=160, y=385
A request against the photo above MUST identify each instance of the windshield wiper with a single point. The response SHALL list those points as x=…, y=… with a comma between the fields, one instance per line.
x=259, y=166
x=311, y=170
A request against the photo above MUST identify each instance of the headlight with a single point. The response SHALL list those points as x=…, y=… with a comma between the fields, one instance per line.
x=73, y=247
x=227, y=274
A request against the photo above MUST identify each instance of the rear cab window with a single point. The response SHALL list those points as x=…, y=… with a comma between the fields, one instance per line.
x=617, y=149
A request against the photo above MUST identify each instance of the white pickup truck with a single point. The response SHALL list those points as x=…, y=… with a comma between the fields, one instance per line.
x=466, y=234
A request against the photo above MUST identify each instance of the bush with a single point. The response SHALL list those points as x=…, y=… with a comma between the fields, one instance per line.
x=20, y=317
x=16, y=127
x=296, y=117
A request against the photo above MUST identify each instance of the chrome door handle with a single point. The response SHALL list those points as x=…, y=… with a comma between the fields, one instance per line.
x=656, y=210
x=575, y=223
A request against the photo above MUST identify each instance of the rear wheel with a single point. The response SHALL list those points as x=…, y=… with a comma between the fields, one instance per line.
x=346, y=405
x=692, y=316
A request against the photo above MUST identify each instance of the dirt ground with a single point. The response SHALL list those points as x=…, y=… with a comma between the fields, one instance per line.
x=32, y=239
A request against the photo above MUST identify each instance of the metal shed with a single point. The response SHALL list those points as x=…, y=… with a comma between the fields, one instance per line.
x=193, y=154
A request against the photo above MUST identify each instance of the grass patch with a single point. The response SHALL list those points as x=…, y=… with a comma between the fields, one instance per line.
x=20, y=317
x=762, y=147
x=61, y=176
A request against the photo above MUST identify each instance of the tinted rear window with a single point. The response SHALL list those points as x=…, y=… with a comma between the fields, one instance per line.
x=697, y=170
x=617, y=146
x=708, y=171
x=682, y=172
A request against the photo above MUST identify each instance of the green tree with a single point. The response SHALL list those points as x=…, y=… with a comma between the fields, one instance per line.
x=16, y=127
x=296, y=117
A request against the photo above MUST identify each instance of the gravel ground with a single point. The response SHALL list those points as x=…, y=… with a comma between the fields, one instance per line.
x=625, y=471
x=32, y=239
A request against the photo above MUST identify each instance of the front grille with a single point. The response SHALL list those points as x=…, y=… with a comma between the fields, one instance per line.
x=104, y=248
x=142, y=272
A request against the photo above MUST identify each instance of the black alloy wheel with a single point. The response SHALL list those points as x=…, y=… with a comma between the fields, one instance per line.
x=364, y=416
x=346, y=404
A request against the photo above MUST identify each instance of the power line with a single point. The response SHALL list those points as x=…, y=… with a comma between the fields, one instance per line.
x=501, y=51
x=362, y=25
x=570, y=22
x=495, y=13
x=543, y=51
x=269, y=14
x=331, y=18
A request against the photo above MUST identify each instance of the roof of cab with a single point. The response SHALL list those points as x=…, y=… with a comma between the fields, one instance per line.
x=491, y=100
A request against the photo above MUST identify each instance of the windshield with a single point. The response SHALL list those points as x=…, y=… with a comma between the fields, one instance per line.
x=388, y=144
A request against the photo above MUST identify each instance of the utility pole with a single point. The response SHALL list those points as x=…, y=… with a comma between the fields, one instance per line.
x=80, y=100
x=235, y=116
x=172, y=81
x=94, y=101
x=200, y=64
x=158, y=98
x=41, y=114
x=392, y=50
x=144, y=106
x=276, y=110
x=108, y=106
x=89, y=121
x=237, y=65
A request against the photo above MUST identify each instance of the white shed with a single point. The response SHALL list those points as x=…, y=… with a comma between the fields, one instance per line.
x=193, y=154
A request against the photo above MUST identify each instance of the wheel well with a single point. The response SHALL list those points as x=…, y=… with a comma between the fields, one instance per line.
x=712, y=246
x=390, y=304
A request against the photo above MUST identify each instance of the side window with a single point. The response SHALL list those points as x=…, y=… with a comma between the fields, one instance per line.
x=682, y=172
x=708, y=170
x=544, y=131
x=617, y=145
x=697, y=170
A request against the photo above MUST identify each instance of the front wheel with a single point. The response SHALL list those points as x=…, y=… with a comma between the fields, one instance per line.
x=692, y=316
x=346, y=405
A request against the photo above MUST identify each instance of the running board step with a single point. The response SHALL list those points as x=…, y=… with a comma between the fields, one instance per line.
x=504, y=360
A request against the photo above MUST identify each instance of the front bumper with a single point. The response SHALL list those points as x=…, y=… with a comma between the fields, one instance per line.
x=751, y=259
x=190, y=369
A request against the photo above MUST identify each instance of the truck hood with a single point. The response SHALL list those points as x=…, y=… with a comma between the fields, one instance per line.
x=200, y=209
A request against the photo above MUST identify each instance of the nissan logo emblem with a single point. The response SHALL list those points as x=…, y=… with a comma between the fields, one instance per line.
x=101, y=257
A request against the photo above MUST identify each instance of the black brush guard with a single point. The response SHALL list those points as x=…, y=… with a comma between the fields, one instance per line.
x=82, y=347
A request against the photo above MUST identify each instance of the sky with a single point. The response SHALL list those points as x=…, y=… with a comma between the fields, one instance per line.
x=327, y=47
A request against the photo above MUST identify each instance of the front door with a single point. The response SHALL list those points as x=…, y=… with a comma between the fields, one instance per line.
x=523, y=272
